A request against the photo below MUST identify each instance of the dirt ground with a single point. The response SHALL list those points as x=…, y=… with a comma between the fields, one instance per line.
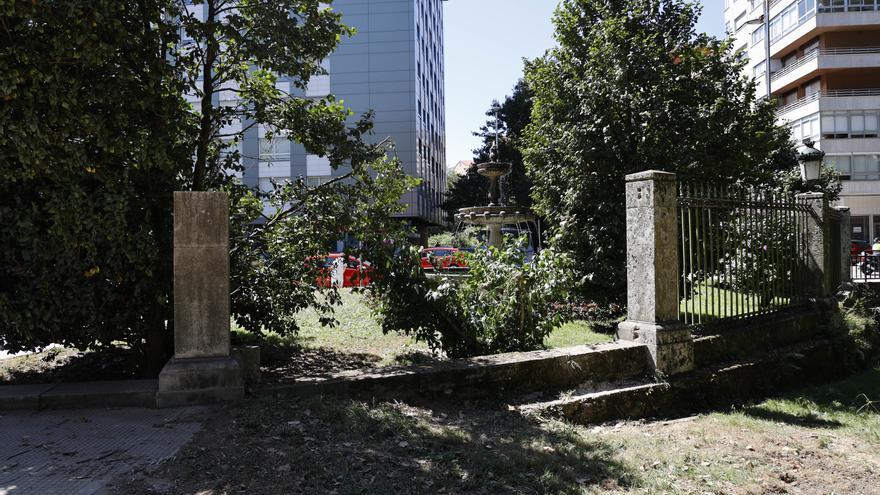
x=818, y=441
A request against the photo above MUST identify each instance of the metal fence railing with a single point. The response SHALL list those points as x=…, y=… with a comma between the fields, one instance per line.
x=742, y=252
x=865, y=267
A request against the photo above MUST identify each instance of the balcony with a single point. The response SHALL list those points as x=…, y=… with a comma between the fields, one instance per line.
x=828, y=15
x=825, y=59
x=842, y=99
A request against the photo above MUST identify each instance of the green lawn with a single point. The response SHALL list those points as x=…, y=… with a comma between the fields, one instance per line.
x=820, y=440
x=709, y=302
x=359, y=334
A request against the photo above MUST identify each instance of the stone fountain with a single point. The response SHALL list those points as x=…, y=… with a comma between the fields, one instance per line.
x=495, y=215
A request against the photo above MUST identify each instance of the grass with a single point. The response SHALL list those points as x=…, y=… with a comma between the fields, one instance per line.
x=709, y=302
x=817, y=440
x=359, y=335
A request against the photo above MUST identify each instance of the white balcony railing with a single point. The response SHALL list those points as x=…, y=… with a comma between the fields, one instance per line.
x=837, y=93
x=788, y=69
x=809, y=57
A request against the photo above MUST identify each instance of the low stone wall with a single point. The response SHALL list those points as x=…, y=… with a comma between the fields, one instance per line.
x=759, y=335
x=711, y=388
x=488, y=376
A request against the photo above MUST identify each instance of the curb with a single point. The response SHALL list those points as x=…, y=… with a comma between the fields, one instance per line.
x=118, y=393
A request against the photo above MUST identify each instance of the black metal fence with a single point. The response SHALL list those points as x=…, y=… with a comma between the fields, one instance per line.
x=742, y=252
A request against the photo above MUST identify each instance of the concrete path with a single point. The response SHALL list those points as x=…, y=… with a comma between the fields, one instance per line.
x=78, y=452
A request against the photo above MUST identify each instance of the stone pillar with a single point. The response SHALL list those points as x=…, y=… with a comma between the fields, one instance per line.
x=845, y=244
x=652, y=272
x=818, y=257
x=202, y=369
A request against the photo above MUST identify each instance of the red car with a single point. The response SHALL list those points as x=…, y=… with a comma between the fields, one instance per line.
x=342, y=272
x=444, y=257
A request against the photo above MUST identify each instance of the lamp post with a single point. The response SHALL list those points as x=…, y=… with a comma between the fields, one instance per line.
x=810, y=160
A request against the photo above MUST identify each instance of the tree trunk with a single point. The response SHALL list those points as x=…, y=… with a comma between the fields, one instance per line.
x=200, y=171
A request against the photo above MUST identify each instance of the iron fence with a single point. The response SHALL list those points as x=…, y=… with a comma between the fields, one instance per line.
x=865, y=267
x=742, y=252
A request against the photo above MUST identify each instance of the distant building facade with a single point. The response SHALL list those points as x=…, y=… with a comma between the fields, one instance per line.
x=824, y=71
x=462, y=167
x=393, y=66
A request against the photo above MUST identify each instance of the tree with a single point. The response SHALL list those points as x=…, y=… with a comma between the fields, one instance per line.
x=632, y=86
x=242, y=48
x=246, y=47
x=94, y=137
x=512, y=118
x=97, y=135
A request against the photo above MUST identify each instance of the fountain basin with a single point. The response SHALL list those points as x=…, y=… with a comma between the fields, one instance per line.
x=494, y=215
x=493, y=169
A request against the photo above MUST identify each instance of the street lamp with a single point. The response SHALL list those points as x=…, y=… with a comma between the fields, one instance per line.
x=810, y=160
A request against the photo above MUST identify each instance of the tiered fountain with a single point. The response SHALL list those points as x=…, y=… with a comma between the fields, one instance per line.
x=495, y=215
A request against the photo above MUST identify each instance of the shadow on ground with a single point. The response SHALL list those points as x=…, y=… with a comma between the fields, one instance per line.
x=70, y=365
x=289, y=362
x=345, y=446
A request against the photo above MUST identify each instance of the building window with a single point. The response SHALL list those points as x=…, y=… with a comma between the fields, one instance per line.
x=855, y=124
x=859, y=227
x=865, y=167
x=758, y=36
x=791, y=17
x=274, y=149
x=842, y=164
x=317, y=166
x=760, y=69
x=318, y=180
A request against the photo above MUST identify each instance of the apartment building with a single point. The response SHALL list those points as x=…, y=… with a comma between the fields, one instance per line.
x=820, y=59
x=393, y=66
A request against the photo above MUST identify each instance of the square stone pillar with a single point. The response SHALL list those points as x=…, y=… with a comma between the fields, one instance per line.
x=202, y=369
x=652, y=272
x=845, y=244
x=818, y=244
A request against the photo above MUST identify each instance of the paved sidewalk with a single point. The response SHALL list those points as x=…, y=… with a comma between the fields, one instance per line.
x=80, y=451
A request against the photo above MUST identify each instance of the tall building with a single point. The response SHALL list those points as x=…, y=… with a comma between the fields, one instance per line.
x=393, y=66
x=824, y=71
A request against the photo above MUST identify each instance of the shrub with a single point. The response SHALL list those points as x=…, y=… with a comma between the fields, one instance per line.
x=503, y=305
x=860, y=317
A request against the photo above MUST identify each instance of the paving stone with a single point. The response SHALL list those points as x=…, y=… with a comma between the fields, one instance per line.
x=80, y=451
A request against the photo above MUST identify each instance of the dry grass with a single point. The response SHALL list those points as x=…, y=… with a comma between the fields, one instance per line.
x=820, y=440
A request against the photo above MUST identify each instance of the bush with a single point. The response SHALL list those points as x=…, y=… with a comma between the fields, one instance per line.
x=861, y=319
x=503, y=305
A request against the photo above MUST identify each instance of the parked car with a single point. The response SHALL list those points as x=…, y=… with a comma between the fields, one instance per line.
x=857, y=247
x=444, y=257
x=345, y=271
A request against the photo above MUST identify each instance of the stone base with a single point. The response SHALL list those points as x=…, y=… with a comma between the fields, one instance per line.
x=184, y=382
x=248, y=358
x=671, y=345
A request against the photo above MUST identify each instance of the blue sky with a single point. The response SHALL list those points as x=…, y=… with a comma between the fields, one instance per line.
x=485, y=43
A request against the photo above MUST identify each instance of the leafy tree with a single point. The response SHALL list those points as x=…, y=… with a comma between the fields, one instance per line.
x=276, y=261
x=247, y=47
x=512, y=118
x=94, y=137
x=97, y=135
x=632, y=86
x=242, y=48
